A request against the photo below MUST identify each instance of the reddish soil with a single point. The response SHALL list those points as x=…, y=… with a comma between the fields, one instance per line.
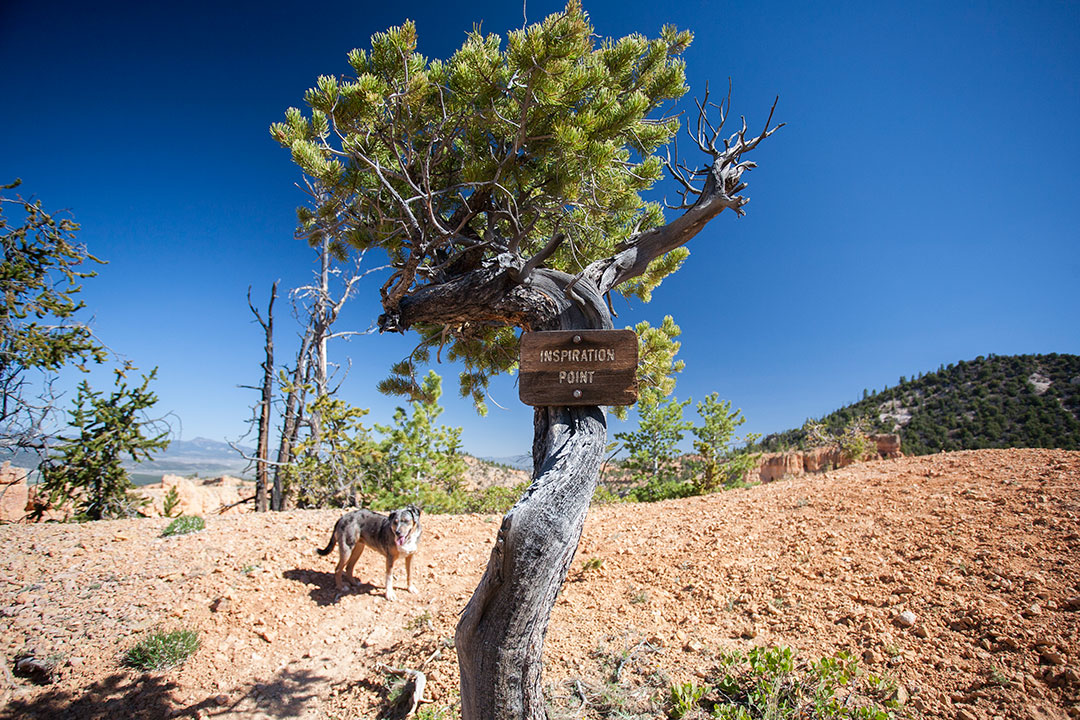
x=981, y=548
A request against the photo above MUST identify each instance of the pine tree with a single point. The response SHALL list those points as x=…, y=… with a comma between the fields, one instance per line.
x=85, y=469
x=715, y=436
x=420, y=455
x=41, y=274
x=505, y=184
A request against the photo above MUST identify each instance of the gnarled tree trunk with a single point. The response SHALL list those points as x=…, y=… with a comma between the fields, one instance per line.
x=500, y=637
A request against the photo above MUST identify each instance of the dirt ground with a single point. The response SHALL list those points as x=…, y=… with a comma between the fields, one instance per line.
x=957, y=575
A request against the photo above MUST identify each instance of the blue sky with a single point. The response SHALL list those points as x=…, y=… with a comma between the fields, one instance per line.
x=921, y=207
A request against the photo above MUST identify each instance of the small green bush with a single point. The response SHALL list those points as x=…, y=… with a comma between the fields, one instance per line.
x=657, y=489
x=685, y=698
x=161, y=650
x=771, y=682
x=183, y=525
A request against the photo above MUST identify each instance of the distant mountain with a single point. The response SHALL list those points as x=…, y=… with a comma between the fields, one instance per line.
x=989, y=402
x=202, y=457
x=518, y=462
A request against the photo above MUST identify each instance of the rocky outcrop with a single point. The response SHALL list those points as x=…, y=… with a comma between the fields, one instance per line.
x=888, y=445
x=774, y=466
x=222, y=495
x=777, y=465
x=14, y=493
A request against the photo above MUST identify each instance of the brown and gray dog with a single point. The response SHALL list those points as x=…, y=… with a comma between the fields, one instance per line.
x=394, y=536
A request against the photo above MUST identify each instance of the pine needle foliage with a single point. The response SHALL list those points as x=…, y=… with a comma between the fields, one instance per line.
x=85, y=469
x=42, y=267
x=537, y=145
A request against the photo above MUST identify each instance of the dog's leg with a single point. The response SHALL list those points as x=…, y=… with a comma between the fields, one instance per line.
x=390, y=578
x=408, y=573
x=343, y=556
x=353, y=557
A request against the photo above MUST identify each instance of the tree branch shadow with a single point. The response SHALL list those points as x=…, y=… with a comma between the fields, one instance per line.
x=150, y=697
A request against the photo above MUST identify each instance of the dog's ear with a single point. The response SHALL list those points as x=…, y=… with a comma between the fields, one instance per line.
x=415, y=508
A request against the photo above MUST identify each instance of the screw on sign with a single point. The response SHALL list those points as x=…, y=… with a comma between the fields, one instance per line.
x=578, y=367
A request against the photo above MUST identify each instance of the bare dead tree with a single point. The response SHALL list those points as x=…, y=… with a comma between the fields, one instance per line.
x=262, y=452
x=322, y=309
x=292, y=420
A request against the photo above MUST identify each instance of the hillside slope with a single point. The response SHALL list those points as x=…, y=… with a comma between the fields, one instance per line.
x=981, y=547
x=992, y=402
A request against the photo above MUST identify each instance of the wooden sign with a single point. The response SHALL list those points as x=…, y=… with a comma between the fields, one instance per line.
x=578, y=367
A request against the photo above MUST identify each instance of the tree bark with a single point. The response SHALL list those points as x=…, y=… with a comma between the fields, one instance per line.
x=500, y=637
x=262, y=454
x=290, y=429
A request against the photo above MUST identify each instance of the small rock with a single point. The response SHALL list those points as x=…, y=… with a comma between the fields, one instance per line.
x=1033, y=610
x=905, y=619
x=965, y=714
x=221, y=700
x=694, y=646
x=1072, y=603
x=1051, y=657
x=871, y=657
x=35, y=669
x=1009, y=643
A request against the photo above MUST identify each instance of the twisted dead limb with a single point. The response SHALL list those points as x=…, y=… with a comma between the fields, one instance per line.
x=419, y=681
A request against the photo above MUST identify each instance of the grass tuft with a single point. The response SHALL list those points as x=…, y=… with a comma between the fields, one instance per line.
x=161, y=650
x=183, y=525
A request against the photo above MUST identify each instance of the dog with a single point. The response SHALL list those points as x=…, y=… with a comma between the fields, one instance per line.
x=394, y=536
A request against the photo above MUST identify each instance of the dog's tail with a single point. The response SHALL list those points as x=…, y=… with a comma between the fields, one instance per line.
x=328, y=548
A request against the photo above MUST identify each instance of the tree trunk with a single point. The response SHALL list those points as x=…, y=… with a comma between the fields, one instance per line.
x=290, y=429
x=262, y=455
x=500, y=637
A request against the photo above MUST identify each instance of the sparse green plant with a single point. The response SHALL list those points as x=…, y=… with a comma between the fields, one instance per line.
x=440, y=712
x=771, y=682
x=603, y=495
x=639, y=598
x=170, y=503
x=162, y=650
x=248, y=569
x=420, y=622
x=183, y=525
x=999, y=678
x=685, y=698
x=593, y=563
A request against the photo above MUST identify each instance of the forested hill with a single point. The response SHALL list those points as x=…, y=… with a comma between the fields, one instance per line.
x=989, y=402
